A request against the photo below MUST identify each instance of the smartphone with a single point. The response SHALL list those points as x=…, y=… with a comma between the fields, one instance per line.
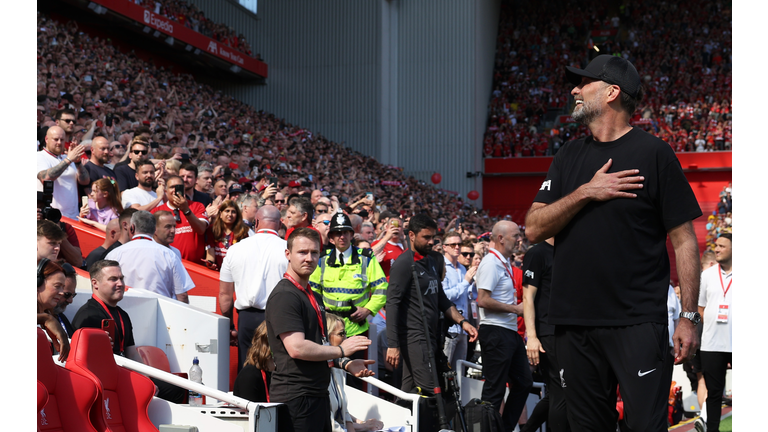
x=108, y=325
x=179, y=190
x=272, y=181
x=369, y=195
x=85, y=201
x=458, y=222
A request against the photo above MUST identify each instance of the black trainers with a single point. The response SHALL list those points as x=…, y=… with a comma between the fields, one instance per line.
x=699, y=425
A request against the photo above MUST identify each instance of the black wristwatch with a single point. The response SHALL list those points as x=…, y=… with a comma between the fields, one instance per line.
x=186, y=213
x=461, y=323
x=695, y=317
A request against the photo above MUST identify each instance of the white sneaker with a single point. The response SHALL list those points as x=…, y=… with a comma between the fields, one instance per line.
x=699, y=425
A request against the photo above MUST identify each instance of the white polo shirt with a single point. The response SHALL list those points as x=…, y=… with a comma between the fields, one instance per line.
x=255, y=264
x=64, y=187
x=151, y=266
x=493, y=274
x=716, y=336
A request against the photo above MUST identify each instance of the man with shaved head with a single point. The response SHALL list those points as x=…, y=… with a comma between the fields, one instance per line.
x=251, y=269
x=96, y=167
x=64, y=168
x=112, y=234
x=505, y=360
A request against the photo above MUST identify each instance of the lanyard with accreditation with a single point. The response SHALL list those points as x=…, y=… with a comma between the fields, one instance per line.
x=314, y=306
x=723, y=310
x=122, y=324
x=506, y=267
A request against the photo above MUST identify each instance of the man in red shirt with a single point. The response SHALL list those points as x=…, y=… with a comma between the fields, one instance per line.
x=391, y=244
x=299, y=215
x=191, y=221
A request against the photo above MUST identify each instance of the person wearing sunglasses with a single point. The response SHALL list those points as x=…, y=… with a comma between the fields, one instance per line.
x=125, y=170
x=70, y=283
x=322, y=224
x=116, y=152
x=456, y=284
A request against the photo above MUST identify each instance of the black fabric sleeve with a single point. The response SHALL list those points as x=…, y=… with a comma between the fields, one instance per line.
x=533, y=267
x=398, y=290
x=122, y=177
x=128, y=329
x=550, y=189
x=677, y=202
x=88, y=317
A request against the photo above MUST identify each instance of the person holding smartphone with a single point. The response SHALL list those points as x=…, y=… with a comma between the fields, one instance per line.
x=191, y=220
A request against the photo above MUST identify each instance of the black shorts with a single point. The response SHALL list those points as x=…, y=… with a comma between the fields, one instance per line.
x=595, y=360
x=305, y=414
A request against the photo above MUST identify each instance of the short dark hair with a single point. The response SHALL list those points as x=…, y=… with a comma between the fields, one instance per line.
x=98, y=266
x=189, y=167
x=126, y=214
x=143, y=162
x=50, y=230
x=141, y=130
x=168, y=180
x=303, y=205
x=421, y=221
x=630, y=103
x=306, y=233
x=61, y=112
x=729, y=236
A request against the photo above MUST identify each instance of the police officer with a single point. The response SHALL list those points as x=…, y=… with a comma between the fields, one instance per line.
x=349, y=280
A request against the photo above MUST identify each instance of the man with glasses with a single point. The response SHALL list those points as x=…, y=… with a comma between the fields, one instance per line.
x=322, y=224
x=126, y=172
x=321, y=208
x=70, y=283
x=280, y=201
x=116, y=152
x=456, y=284
x=64, y=168
x=66, y=120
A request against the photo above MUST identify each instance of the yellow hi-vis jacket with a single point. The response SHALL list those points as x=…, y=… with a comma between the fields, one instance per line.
x=358, y=283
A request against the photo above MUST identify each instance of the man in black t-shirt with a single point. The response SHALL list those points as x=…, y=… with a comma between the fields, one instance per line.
x=95, y=166
x=405, y=328
x=537, y=281
x=299, y=342
x=126, y=170
x=610, y=200
x=108, y=290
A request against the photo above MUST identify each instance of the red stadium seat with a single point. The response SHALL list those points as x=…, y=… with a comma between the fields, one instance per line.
x=155, y=357
x=126, y=394
x=64, y=398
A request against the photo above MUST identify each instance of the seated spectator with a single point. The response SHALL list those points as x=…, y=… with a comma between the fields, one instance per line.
x=253, y=380
x=226, y=230
x=70, y=285
x=108, y=286
x=111, y=236
x=191, y=220
x=103, y=204
x=49, y=238
x=151, y=266
x=341, y=419
x=144, y=196
x=50, y=292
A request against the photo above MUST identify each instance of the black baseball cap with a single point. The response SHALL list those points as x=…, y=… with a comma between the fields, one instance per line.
x=611, y=69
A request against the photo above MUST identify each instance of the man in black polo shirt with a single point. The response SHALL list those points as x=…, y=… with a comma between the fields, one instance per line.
x=405, y=328
x=188, y=173
x=610, y=200
x=299, y=342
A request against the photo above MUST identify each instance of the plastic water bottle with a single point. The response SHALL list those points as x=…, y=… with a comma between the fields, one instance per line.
x=195, y=375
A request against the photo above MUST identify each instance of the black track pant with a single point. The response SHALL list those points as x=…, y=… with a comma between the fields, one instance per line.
x=714, y=365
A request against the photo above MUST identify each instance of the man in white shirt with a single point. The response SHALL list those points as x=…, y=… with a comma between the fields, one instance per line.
x=142, y=197
x=149, y=265
x=64, y=168
x=715, y=308
x=252, y=268
x=505, y=360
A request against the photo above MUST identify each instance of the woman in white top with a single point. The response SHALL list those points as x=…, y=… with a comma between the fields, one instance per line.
x=341, y=419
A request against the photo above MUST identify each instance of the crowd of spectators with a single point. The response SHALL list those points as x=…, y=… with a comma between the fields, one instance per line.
x=720, y=221
x=191, y=17
x=145, y=113
x=682, y=51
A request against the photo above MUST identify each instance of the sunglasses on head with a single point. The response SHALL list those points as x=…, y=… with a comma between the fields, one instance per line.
x=140, y=152
x=468, y=254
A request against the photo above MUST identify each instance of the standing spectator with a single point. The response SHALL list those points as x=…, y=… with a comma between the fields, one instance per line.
x=143, y=197
x=112, y=234
x=149, y=265
x=503, y=350
x=103, y=204
x=299, y=341
x=116, y=153
x=125, y=170
x=125, y=230
x=188, y=173
x=537, y=281
x=367, y=231
x=225, y=231
x=717, y=339
x=96, y=166
x=251, y=269
x=65, y=170
x=49, y=238
x=248, y=208
x=280, y=201
x=66, y=119
x=298, y=215
x=391, y=245
x=618, y=333
x=191, y=220
x=322, y=224
x=204, y=183
x=165, y=230
x=405, y=325
x=456, y=285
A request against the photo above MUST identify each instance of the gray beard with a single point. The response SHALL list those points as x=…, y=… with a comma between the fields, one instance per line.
x=59, y=309
x=588, y=113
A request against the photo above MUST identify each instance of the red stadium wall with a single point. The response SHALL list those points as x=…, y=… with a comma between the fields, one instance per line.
x=511, y=184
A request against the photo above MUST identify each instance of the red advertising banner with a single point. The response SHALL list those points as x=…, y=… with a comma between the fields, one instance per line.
x=598, y=33
x=184, y=34
x=566, y=119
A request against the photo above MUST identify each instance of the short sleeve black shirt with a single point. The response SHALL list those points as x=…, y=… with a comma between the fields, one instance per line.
x=611, y=265
x=289, y=310
x=92, y=313
x=537, y=271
